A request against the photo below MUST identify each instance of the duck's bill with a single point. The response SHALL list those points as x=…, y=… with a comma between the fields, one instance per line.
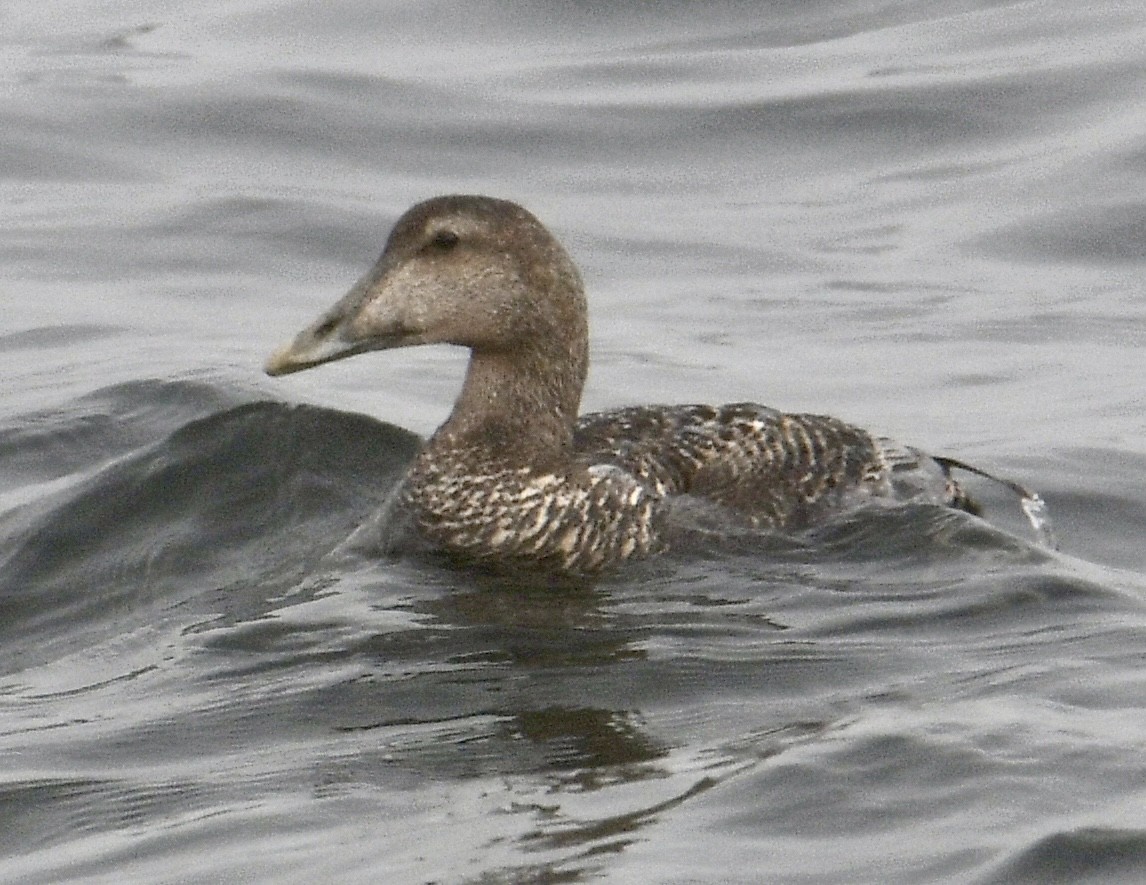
x=371, y=316
x=307, y=351
x=328, y=338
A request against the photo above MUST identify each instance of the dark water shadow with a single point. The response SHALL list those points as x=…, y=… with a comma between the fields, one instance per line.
x=1086, y=854
x=253, y=495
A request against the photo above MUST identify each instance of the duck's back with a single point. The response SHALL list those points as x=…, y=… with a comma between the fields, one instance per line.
x=769, y=468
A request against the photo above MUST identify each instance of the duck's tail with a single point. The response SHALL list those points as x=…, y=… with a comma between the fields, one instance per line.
x=1034, y=507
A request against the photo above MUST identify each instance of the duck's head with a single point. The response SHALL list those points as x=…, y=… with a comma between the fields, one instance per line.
x=466, y=270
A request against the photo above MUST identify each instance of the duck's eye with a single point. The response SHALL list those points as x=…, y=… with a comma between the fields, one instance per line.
x=444, y=240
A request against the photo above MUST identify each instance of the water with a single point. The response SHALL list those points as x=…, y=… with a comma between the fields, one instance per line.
x=924, y=217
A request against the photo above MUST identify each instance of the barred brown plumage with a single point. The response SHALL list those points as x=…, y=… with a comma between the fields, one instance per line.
x=514, y=476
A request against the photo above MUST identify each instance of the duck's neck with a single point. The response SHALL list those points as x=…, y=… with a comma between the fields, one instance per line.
x=517, y=409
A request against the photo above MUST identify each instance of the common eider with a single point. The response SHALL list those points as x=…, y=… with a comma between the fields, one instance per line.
x=514, y=476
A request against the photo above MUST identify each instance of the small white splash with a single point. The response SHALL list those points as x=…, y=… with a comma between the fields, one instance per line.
x=1039, y=515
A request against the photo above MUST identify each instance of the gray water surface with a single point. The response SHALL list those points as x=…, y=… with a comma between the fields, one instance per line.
x=926, y=218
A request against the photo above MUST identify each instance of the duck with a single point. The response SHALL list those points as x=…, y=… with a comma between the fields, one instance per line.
x=517, y=477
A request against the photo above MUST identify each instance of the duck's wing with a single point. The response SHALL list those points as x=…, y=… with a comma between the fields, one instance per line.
x=777, y=470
